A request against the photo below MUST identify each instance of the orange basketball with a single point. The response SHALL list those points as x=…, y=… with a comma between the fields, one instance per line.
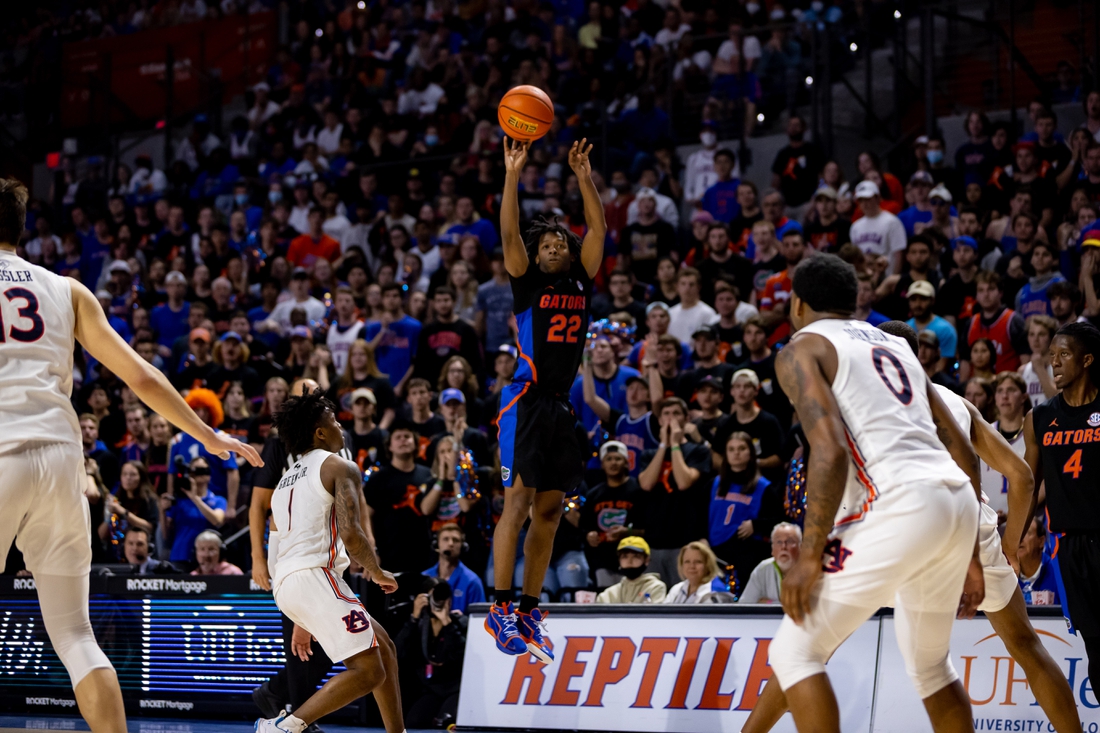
x=525, y=113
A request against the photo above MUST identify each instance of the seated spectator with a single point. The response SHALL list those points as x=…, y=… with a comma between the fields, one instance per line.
x=865, y=298
x=134, y=502
x=223, y=474
x=877, y=232
x=208, y=553
x=136, y=551
x=993, y=321
x=279, y=321
x=307, y=248
x=747, y=416
x=744, y=506
x=720, y=200
x=922, y=299
x=196, y=509
x=95, y=450
x=637, y=586
x=613, y=510
x=1033, y=299
x=1038, y=579
x=466, y=587
x=648, y=239
x=394, y=495
x=1038, y=373
x=690, y=313
x=432, y=642
x=935, y=366
x=827, y=231
x=766, y=581
x=979, y=392
x=700, y=573
x=468, y=222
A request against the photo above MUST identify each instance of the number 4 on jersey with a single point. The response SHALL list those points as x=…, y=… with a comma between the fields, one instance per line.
x=1073, y=465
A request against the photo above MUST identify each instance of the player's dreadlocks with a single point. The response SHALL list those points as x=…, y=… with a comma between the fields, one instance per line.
x=550, y=225
x=297, y=418
x=1087, y=337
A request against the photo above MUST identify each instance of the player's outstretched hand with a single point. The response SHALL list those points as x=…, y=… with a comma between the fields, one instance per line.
x=222, y=445
x=973, y=589
x=385, y=580
x=515, y=155
x=300, y=642
x=578, y=158
x=798, y=586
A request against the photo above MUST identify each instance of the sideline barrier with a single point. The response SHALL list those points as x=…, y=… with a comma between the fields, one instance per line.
x=658, y=668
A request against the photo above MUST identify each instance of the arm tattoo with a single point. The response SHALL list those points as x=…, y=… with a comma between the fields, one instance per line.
x=346, y=501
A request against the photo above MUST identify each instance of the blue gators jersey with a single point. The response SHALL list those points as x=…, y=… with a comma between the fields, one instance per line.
x=552, y=312
x=637, y=435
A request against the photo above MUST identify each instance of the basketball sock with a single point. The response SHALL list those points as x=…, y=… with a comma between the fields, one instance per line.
x=528, y=604
x=503, y=596
x=291, y=723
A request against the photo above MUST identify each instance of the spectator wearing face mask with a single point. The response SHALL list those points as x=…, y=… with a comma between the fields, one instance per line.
x=637, y=585
x=699, y=173
x=766, y=582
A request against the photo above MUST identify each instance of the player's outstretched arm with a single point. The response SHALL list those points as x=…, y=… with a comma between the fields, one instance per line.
x=96, y=335
x=592, y=247
x=1034, y=459
x=343, y=479
x=997, y=453
x=800, y=368
x=515, y=254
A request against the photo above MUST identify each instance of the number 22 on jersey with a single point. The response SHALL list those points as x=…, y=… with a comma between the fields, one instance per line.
x=558, y=324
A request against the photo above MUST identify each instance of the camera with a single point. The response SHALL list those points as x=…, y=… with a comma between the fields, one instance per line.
x=183, y=472
x=439, y=595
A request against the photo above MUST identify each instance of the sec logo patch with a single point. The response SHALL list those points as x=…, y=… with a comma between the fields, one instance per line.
x=1094, y=419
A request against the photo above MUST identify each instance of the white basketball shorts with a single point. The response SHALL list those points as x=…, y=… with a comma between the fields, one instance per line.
x=321, y=602
x=1000, y=578
x=44, y=509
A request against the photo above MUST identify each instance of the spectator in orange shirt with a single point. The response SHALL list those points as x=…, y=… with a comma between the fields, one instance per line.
x=777, y=289
x=308, y=248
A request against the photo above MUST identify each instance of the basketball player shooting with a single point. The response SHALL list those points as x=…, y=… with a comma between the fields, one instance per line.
x=1004, y=603
x=540, y=457
x=892, y=512
x=316, y=507
x=41, y=457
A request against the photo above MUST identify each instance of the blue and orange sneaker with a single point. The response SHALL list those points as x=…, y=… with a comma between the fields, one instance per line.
x=530, y=630
x=501, y=625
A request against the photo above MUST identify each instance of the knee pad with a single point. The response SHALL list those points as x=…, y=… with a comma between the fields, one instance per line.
x=64, y=602
x=924, y=642
x=795, y=654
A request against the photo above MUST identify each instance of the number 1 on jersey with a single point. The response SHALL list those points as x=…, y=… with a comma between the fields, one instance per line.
x=1073, y=465
x=558, y=323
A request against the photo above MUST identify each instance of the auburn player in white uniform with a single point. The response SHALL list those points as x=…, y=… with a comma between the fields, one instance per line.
x=41, y=456
x=892, y=513
x=316, y=508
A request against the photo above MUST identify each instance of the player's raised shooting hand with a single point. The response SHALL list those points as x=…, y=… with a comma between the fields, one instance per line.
x=798, y=586
x=515, y=155
x=222, y=445
x=578, y=158
x=385, y=580
x=973, y=589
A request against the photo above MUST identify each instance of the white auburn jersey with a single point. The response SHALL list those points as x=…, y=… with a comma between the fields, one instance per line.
x=994, y=484
x=36, y=355
x=306, y=517
x=881, y=391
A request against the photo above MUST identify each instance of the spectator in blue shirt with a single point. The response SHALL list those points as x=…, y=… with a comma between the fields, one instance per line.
x=610, y=380
x=720, y=200
x=466, y=587
x=922, y=295
x=192, y=509
x=483, y=229
x=224, y=477
x=920, y=184
x=394, y=338
x=169, y=320
x=1038, y=579
x=644, y=128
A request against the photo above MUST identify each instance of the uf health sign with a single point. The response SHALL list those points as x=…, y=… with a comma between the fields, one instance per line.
x=647, y=673
x=999, y=692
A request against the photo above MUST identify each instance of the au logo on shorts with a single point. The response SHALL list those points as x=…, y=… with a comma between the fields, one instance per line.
x=504, y=473
x=356, y=622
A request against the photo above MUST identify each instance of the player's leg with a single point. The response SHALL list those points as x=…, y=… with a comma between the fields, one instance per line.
x=518, y=500
x=54, y=537
x=1045, y=678
x=365, y=673
x=769, y=708
x=1079, y=563
x=539, y=545
x=798, y=654
x=388, y=694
